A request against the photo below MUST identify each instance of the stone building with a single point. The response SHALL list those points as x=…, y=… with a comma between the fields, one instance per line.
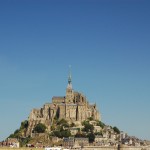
x=73, y=107
x=68, y=142
x=74, y=142
x=81, y=141
x=12, y=142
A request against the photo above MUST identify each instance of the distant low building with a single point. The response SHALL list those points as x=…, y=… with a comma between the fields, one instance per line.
x=113, y=136
x=98, y=138
x=81, y=142
x=122, y=135
x=97, y=128
x=68, y=142
x=106, y=134
x=56, y=139
x=12, y=142
x=75, y=142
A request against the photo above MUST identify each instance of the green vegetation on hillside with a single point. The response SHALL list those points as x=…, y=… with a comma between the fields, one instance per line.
x=60, y=129
x=87, y=127
x=91, y=137
x=101, y=124
x=39, y=128
x=19, y=133
x=116, y=130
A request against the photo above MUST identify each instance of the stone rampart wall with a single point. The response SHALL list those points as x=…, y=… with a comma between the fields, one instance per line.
x=85, y=148
x=115, y=148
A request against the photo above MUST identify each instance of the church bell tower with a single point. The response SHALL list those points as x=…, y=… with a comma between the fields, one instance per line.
x=69, y=90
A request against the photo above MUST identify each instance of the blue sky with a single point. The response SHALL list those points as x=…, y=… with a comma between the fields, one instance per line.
x=106, y=42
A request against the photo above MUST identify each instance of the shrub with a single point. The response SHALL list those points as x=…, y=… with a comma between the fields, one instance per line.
x=101, y=124
x=61, y=122
x=24, y=125
x=39, y=128
x=116, y=130
x=88, y=127
x=90, y=118
x=91, y=137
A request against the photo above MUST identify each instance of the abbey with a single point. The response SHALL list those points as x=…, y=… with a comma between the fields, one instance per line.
x=73, y=107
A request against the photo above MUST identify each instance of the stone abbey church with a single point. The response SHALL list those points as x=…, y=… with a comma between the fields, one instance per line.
x=73, y=107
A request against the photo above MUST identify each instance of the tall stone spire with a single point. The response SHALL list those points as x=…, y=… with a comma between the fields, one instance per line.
x=69, y=90
x=69, y=79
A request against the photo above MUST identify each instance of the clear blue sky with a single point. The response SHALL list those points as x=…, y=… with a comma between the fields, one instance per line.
x=106, y=42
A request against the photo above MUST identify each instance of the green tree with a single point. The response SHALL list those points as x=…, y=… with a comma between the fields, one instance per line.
x=65, y=133
x=116, y=130
x=91, y=137
x=65, y=125
x=11, y=136
x=99, y=133
x=90, y=118
x=79, y=134
x=72, y=124
x=57, y=133
x=16, y=131
x=24, y=141
x=16, y=134
x=20, y=132
x=39, y=128
x=101, y=124
x=61, y=134
x=24, y=125
x=61, y=122
x=52, y=127
x=88, y=127
x=85, y=122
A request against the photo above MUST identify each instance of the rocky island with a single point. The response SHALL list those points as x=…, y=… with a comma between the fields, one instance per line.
x=70, y=121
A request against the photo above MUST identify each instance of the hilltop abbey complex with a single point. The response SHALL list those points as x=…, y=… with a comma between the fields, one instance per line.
x=73, y=107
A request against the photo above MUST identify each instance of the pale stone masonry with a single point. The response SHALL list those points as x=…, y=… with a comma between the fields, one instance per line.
x=73, y=107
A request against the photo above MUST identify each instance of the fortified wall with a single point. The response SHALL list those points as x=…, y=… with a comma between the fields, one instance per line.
x=88, y=148
x=116, y=148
